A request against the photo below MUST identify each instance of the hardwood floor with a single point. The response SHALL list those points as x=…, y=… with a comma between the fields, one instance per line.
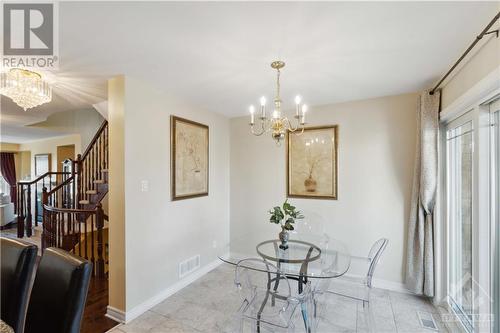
x=94, y=319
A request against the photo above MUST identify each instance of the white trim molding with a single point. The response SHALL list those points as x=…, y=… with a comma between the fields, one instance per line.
x=472, y=107
x=115, y=314
x=383, y=284
x=391, y=285
x=127, y=316
x=480, y=91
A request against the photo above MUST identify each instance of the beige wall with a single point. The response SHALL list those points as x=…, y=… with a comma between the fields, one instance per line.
x=50, y=146
x=485, y=59
x=25, y=165
x=160, y=233
x=9, y=147
x=84, y=122
x=376, y=155
x=21, y=159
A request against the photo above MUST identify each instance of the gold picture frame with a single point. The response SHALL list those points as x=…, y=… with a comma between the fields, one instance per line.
x=312, y=163
x=189, y=159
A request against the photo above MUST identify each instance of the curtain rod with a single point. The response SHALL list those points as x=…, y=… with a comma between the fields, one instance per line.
x=471, y=46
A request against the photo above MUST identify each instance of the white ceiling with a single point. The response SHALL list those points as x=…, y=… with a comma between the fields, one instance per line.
x=216, y=55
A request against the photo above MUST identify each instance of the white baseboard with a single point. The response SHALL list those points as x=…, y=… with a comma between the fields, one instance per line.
x=384, y=284
x=115, y=314
x=391, y=285
x=125, y=317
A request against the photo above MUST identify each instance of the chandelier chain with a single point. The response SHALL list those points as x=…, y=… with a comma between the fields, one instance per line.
x=278, y=87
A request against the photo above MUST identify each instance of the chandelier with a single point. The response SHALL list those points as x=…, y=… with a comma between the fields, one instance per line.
x=25, y=88
x=277, y=124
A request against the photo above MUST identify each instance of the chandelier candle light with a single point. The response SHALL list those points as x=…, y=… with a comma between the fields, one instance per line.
x=26, y=88
x=278, y=124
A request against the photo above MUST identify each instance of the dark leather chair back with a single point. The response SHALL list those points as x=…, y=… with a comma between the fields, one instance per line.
x=59, y=293
x=17, y=265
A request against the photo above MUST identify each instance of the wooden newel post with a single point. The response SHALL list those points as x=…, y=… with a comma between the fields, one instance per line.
x=45, y=201
x=72, y=196
x=100, y=244
x=45, y=197
x=78, y=195
x=29, y=222
x=20, y=213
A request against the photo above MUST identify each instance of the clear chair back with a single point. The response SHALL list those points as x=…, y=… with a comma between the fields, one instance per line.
x=253, y=275
x=374, y=255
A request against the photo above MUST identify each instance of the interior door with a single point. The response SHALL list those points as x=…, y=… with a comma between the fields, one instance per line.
x=64, y=153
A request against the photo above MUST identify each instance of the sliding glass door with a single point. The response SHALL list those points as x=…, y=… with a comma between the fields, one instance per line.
x=460, y=151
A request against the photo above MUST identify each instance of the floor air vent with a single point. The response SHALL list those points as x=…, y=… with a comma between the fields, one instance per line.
x=189, y=265
x=427, y=321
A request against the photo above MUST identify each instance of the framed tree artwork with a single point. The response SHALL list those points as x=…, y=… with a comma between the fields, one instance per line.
x=312, y=163
x=189, y=158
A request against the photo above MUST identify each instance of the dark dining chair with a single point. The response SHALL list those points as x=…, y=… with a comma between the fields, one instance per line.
x=59, y=293
x=17, y=265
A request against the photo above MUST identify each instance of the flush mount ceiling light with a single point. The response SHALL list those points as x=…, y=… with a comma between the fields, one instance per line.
x=278, y=124
x=26, y=88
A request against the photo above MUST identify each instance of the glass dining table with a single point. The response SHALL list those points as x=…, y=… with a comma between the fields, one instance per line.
x=310, y=260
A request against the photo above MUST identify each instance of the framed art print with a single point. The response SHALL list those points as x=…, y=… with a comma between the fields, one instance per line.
x=312, y=163
x=189, y=158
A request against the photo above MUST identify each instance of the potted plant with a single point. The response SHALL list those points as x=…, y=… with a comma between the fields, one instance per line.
x=285, y=216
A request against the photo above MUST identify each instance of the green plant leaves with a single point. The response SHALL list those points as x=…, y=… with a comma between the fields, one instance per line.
x=289, y=212
x=277, y=215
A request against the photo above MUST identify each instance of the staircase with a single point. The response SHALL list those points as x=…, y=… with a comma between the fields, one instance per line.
x=71, y=204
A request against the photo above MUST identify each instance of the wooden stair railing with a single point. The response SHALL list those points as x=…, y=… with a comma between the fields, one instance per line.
x=72, y=215
x=75, y=230
x=92, y=168
x=27, y=199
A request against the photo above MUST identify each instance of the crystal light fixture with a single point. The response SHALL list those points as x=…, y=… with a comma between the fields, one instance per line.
x=26, y=88
x=277, y=124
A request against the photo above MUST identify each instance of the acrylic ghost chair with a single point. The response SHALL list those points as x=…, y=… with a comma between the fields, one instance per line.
x=311, y=229
x=266, y=308
x=360, y=288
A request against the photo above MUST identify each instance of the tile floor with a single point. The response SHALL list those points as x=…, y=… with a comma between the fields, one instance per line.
x=207, y=305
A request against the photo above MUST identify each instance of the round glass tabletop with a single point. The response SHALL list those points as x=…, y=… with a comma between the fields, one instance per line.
x=298, y=252
x=309, y=255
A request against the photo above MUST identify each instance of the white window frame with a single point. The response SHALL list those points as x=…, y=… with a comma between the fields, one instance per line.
x=460, y=121
x=495, y=210
x=474, y=103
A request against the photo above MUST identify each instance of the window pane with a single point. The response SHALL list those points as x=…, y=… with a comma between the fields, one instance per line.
x=460, y=151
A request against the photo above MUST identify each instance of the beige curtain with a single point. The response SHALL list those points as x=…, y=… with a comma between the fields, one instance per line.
x=420, y=248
